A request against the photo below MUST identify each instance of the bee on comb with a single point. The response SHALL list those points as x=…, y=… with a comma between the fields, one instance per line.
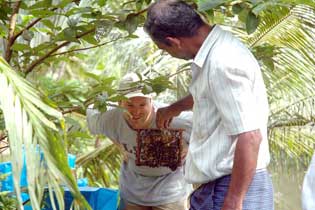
x=159, y=147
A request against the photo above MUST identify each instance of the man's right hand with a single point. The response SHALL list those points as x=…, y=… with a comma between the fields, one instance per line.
x=164, y=116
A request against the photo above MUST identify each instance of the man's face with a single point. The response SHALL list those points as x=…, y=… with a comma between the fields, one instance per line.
x=139, y=112
x=175, y=50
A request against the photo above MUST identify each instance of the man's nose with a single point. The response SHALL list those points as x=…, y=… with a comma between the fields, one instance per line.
x=135, y=112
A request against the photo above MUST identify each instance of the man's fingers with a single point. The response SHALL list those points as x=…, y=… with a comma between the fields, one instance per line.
x=158, y=120
x=163, y=120
x=165, y=124
x=169, y=122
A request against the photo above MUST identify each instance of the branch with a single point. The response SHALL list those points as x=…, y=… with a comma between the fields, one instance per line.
x=12, y=24
x=87, y=48
x=29, y=26
x=40, y=60
x=128, y=2
x=77, y=108
x=26, y=28
x=3, y=138
x=141, y=11
x=297, y=123
x=178, y=72
x=73, y=109
x=5, y=147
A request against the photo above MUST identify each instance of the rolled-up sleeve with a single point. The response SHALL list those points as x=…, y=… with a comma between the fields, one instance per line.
x=232, y=90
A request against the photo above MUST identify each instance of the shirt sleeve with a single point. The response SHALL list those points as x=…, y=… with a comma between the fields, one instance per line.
x=232, y=89
x=103, y=123
x=183, y=121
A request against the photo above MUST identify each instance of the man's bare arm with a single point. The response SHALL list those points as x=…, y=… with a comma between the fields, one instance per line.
x=244, y=168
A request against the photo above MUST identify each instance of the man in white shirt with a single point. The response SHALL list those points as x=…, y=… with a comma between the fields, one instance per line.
x=228, y=152
x=142, y=187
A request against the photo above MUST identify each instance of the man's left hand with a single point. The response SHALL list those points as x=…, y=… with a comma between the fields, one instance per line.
x=232, y=203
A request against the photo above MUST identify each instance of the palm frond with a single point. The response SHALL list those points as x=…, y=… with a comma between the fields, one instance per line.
x=102, y=165
x=283, y=22
x=282, y=43
x=28, y=124
x=294, y=141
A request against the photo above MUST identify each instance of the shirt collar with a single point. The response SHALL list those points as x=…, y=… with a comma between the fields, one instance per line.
x=204, y=50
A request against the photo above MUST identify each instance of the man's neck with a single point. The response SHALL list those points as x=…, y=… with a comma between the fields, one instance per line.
x=194, y=43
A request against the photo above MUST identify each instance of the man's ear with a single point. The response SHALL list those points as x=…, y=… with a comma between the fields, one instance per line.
x=173, y=41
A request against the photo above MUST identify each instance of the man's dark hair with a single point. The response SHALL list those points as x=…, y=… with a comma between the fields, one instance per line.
x=171, y=18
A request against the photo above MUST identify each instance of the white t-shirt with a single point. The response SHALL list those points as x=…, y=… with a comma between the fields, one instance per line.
x=142, y=185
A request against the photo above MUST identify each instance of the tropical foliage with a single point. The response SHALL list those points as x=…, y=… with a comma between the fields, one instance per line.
x=60, y=56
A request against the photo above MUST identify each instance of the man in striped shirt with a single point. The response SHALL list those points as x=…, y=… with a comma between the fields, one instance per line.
x=228, y=152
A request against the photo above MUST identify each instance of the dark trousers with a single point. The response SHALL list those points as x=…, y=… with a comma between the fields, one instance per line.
x=210, y=196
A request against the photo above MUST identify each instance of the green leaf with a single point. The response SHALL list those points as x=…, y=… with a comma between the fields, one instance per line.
x=5, y=11
x=116, y=98
x=139, y=5
x=42, y=13
x=133, y=36
x=3, y=31
x=41, y=4
x=79, y=10
x=28, y=35
x=159, y=84
x=23, y=5
x=147, y=89
x=101, y=3
x=243, y=15
x=91, y=75
x=26, y=19
x=204, y=5
x=131, y=23
x=20, y=47
x=48, y=23
x=252, y=22
x=79, y=134
x=42, y=46
x=72, y=22
x=269, y=63
x=237, y=8
x=64, y=3
x=90, y=39
x=70, y=34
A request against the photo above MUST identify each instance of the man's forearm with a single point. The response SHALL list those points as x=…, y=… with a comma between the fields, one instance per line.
x=244, y=167
x=183, y=104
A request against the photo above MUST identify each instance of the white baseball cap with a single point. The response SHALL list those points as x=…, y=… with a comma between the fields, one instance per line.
x=129, y=88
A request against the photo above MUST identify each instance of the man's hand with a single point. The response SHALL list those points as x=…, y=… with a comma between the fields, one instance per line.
x=231, y=203
x=164, y=117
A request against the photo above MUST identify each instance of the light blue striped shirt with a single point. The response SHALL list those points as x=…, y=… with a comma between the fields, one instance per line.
x=229, y=99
